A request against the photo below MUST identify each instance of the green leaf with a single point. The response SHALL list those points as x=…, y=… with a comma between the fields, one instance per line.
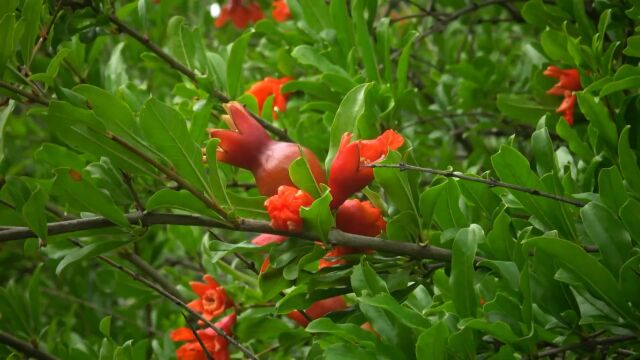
x=535, y=12
x=432, y=343
x=403, y=314
x=59, y=156
x=89, y=251
x=234, y=64
x=500, y=239
x=498, y=329
x=365, y=281
x=613, y=87
x=463, y=252
x=307, y=55
x=633, y=46
x=7, y=26
x=606, y=231
x=628, y=162
x=404, y=227
x=577, y=144
x=84, y=195
x=105, y=326
x=364, y=42
x=396, y=184
x=611, y=185
x=350, y=332
x=166, y=129
x=554, y=44
x=598, y=116
x=218, y=188
x=4, y=116
x=31, y=17
x=351, y=110
x=34, y=212
x=593, y=275
x=521, y=107
x=403, y=65
x=543, y=152
x=342, y=24
x=629, y=214
x=183, y=200
x=585, y=25
x=318, y=217
x=52, y=70
x=302, y=177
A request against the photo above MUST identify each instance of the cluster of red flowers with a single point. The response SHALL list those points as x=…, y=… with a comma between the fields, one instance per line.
x=568, y=82
x=212, y=301
x=243, y=13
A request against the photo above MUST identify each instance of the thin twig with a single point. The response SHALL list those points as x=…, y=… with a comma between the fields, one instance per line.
x=24, y=347
x=489, y=182
x=45, y=35
x=177, y=65
x=134, y=194
x=151, y=272
x=34, y=98
x=195, y=333
x=137, y=277
x=587, y=344
x=210, y=203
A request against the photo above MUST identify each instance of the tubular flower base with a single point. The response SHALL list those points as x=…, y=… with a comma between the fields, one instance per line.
x=216, y=345
x=247, y=145
x=267, y=87
x=241, y=15
x=568, y=82
x=284, y=208
x=213, y=299
x=347, y=175
x=280, y=11
x=319, y=309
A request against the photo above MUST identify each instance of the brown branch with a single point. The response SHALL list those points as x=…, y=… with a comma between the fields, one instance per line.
x=34, y=98
x=195, y=333
x=177, y=65
x=24, y=347
x=587, y=344
x=45, y=35
x=210, y=203
x=151, y=272
x=488, y=182
x=134, y=194
x=336, y=237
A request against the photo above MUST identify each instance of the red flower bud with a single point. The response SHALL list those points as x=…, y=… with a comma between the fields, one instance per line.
x=280, y=11
x=267, y=87
x=569, y=81
x=319, y=309
x=284, y=208
x=240, y=14
x=567, y=106
x=360, y=217
x=347, y=175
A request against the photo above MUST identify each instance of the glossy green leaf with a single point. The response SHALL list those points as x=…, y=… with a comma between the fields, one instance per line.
x=84, y=195
x=598, y=115
x=611, y=188
x=396, y=184
x=307, y=55
x=363, y=41
x=7, y=26
x=432, y=343
x=234, y=64
x=31, y=18
x=318, y=217
x=34, y=212
x=628, y=162
x=52, y=70
x=302, y=177
x=167, y=132
x=591, y=273
x=629, y=214
x=88, y=251
x=522, y=108
x=183, y=200
x=633, y=46
x=365, y=281
x=403, y=314
x=464, y=249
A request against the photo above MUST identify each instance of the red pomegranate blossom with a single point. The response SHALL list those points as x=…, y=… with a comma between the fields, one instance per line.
x=267, y=87
x=216, y=345
x=568, y=83
x=240, y=14
x=354, y=217
x=280, y=11
x=213, y=299
x=284, y=208
x=319, y=309
x=347, y=175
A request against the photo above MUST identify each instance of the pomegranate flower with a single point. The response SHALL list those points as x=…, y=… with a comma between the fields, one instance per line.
x=284, y=208
x=213, y=298
x=319, y=309
x=568, y=82
x=241, y=15
x=354, y=217
x=267, y=87
x=216, y=345
x=347, y=175
x=280, y=11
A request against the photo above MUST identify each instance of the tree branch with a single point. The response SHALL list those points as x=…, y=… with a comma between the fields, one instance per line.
x=587, y=344
x=24, y=347
x=177, y=65
x=23, y=93
x=489, y=182
x=336, y=237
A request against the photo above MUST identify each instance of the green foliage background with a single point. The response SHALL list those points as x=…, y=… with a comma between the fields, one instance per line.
x=461, y=80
